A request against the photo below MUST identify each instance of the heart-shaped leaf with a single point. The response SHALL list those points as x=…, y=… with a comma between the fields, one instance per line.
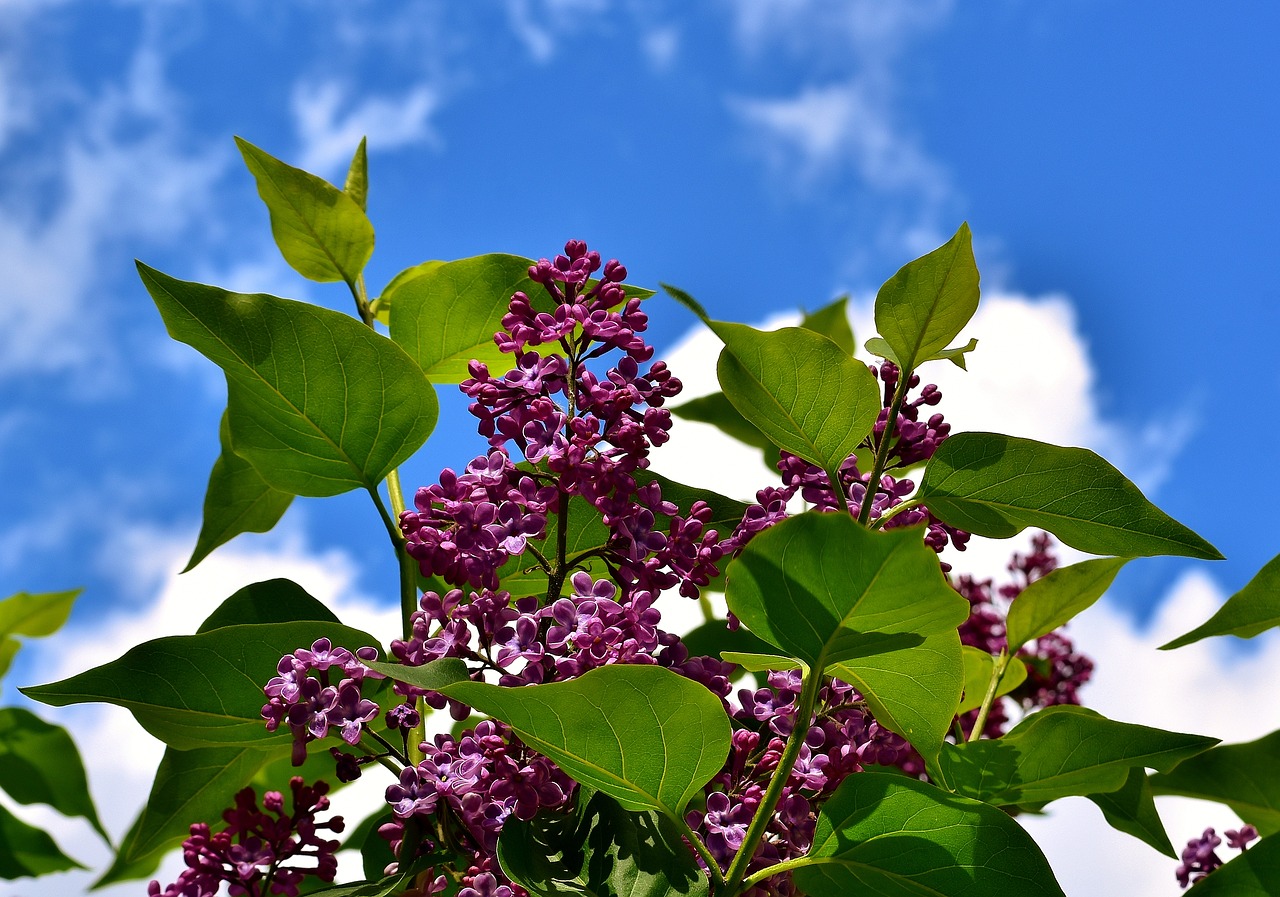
x=927, y=303
x=202, y=690
x=1253, y=609
x=599, y=849
x=1245, y=777
x=323, y=232
x=995, y=485
x=1062, y=751
x=1052, y=600
x=890, y=835
x=316, y=402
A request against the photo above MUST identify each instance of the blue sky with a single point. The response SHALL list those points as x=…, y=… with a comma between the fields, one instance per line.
x=1117, y=168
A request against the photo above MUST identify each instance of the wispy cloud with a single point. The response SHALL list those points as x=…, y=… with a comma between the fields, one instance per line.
x=330, y=126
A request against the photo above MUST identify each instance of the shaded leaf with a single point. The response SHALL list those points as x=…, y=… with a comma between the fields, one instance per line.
x=600, y=849
x=1132, y=809
x=832, y=321
x=927, y=303
x=978, y=669
x=894, y=836
x=1252, y=610
x=357, y=183
x=718, y=411
x=392, y=884
x=995, y=485
x=237, y=500
x=726, y=513
x=1253, y=873
x=202, y=690
x=29, y=851
x=270, y=601
x=714, y=637
x=1245, y=777
x=317, y=402
x=1052, y=600
x=1062, y=751
x=39, y=764
x=321, y=231
x=799, y=389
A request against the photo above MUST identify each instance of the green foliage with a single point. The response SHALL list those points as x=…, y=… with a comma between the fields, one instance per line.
x=1245, y=777
x=39, y=764
x=599, y=849
x=1250, y=611
x=1132, y=809
x=316, y=402
x=832, y=321
x=979, y=666
x=1053, y=600
x=716, y=409
x=995, y=485
x=1059, y=752
x=894, y=836
x=270, y=601
x=29, y=851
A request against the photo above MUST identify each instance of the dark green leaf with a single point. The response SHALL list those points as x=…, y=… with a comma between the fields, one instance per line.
x=1052, y=600
x=687, y=301
x=824, y=589
x=272, y=601
x=892, y=836
x=978, y=668
x=1062, y=751
x=190, y=786
x=832, y=321
x=317, y=402
x=912, y=691
x=799, y=389
x=35, y=615
x=1253, y=609
x=927, y=303
x=714, y=637
x=718, y=411
x=201, y=690
x=357, y=183
x=644, y=735
x=995, y=485
x=726, y=513
x=375, y=850
x=1253, y=873
x=393, y=884
x=1245, y=777
x=29, y=851
x=1132, y=810
x=600, y=849
x=39, y=764
x=322, y=232
x=522, y=575
x=237, y=500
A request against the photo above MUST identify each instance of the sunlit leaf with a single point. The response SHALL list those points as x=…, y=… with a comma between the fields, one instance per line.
x=832, y=321
x=995, y=485
x=357, y=183
x=35, y=615
x=978, y=669
x=893, y=836
x=1250, y=611
x=1052, y=600
x=1062, y=751
x=321, y=231
x=317, y=402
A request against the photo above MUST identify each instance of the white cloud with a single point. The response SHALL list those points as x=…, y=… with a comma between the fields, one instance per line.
x=329, y=130
x=119, y=756
x=875, y=30
x=539, y=24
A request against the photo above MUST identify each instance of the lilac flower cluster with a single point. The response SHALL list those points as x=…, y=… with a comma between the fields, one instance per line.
x=250, y=852
x=312, y=705
x=1200, y=857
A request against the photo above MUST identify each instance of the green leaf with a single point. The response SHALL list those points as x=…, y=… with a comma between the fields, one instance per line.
x=955, y=355
x=912, y=691
x=322, y=231
x=832, y=321
x=1245, y=777
x=1132, y=810
x=714, y=637
x=1252, y=610
x=435, y=675
x=877, y=346
x=892, y=836
x=29, y=851
x=382, y=305
x=189, y=786
x=717, y=410
x=600, y=849
x=35, y=615
x=237, y=500
x=271, y=601
x=317, y=402
x=1052, y=600
x=521, y=575
x=644, y=735
x=39, y=764
x=927, y=303
x=995, y=485
x=726, y=513
x=202, y=690
x=357, y=183
x=761, y=663
x=978, y=667
x=1253, y=873
x=799, y=389
x=393, y=884
x=687, y=301
x=8, y=650
x=1062, y=751
x=824, y=589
